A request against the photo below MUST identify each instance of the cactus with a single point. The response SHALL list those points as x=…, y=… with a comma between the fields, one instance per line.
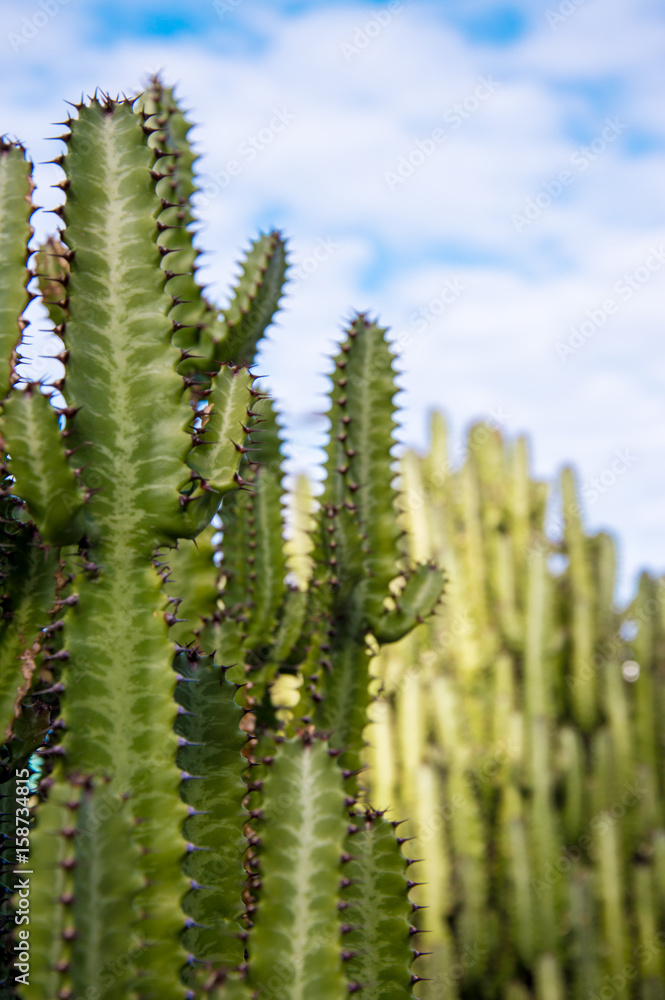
x=515, y=732
x=188, y=833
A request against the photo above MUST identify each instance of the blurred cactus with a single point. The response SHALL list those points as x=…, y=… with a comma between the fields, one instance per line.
x=182, y=836
x=523, y=731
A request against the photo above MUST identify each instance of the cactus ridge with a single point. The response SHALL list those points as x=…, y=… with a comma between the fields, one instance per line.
x=294, y=943
x=211, y=741
x=378, y=942
x=255, y=300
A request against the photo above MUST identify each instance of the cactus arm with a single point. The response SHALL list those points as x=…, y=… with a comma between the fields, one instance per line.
x=294, y=946
x=369, y=423
x=49, y=918
x=414, y=514
x=15, y=231
x=359, y=534
x=227, y=632
x=298, y=546
x=571, y=758
x=468, y=844
x=585, y=684
x=234, y=335
x=193, y=584
x=209, y=729
x=37, y=460
x=378, y=911
x=253, y=566
x=196, y=318
x=291, y=626
x=254, y=562
x=416, y=601
x=647, y=716
x=266, y=557
x=342, y=712
x=28, y=582
x=651, y=961
x=52, y=268
x=79, y=922
x=216, y=458
x=585, y=923
x=255, y=301
x=106, y=875
x=160, y=107
x=310, y=665
x=360, y=531
x=340, y=550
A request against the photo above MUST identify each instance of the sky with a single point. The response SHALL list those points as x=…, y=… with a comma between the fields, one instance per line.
x=485, y=178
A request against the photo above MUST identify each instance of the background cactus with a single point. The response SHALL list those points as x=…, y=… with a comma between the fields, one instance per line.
x=522, y=731
x=187, y=837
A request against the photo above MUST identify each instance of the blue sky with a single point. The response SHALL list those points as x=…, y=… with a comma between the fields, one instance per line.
x=485, y=177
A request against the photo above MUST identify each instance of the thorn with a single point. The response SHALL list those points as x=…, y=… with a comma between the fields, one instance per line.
x=191, y=811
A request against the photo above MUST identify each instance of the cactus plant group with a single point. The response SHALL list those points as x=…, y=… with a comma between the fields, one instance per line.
x=522, y=730
x=170, y=828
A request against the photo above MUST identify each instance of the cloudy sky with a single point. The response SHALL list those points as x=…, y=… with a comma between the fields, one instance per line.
x=487, y=178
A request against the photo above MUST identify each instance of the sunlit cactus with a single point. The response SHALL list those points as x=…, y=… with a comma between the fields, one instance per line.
x=190, y=835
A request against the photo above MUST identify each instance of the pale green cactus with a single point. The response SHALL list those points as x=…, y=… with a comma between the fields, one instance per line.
x=516, y=735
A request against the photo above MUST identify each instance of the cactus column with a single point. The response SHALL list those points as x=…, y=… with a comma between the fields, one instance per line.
x=521, y=731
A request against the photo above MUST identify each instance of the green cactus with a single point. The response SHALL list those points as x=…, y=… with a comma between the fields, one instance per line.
x=189, y=834
x=516, y=734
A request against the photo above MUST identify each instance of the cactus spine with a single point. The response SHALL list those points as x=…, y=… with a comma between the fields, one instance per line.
x=515, y=734
x=186, y=833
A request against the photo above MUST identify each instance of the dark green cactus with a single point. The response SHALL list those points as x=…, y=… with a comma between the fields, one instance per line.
x=189, y=836
x=522, y=731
